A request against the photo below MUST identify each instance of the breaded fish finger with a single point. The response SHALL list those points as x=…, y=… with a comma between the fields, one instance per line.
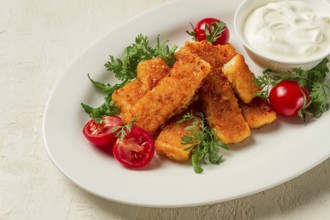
x=258, y=113
x=168, y=142
x=171, y=95
x=149, y=72
x=241, y=78
x=222, y=110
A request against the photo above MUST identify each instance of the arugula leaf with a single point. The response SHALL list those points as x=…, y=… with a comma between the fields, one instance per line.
x=314, y=80
x=107, y=108
x=203, y=140
x=106, y=88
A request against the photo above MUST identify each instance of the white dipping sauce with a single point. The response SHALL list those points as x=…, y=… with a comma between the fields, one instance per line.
x=288, y=31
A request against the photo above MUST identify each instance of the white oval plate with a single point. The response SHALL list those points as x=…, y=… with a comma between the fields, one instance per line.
x=271, y=156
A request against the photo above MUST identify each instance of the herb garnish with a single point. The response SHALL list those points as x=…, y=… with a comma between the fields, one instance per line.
x=124, y=70
x=202, y=140
x=122, y=130
x=314, y=80
x=211, y=31
x=214, y=31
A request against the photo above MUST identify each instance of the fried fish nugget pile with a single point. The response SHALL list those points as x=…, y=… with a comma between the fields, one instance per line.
x=220, y=104
x=216, y=76
x=225, y=113
x=256, y=111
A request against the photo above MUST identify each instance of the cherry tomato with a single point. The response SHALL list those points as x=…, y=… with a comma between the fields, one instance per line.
x=136, y=149
x=101, y=134
x=287, y=98
x=199, y=31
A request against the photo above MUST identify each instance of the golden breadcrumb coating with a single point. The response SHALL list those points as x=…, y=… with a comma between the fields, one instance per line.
x=222, y=110
x=258, y=113
x=168, y=142
x=128, y=95
x=149, y=72
x=220, y=104
x=216, y=55
x=171, y=95
x=160, y=96
x=241, y=78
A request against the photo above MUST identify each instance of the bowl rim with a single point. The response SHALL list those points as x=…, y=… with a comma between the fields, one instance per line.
x=240, y=36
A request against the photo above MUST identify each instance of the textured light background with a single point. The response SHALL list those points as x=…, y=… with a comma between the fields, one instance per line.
x=39, y=39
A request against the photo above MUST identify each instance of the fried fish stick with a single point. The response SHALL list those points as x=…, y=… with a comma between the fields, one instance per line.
x=171, y=95
x=241, y=78
x=168, y=142
x=258, y=113
x=149, y=72
x=222, y=110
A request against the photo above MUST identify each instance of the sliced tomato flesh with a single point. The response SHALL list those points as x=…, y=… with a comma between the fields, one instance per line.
x=101, y=134
x=136, y=149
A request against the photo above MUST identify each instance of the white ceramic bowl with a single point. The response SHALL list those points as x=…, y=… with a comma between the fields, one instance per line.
x=264, y=60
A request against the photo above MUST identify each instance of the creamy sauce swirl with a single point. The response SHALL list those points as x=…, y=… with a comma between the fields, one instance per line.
x=288, y=31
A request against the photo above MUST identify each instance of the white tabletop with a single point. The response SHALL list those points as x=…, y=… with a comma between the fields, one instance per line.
x=39, y=39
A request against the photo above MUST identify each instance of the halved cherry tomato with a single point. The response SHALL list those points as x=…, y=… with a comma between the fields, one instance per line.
x=136, y=149
x=102, y=134
x=287, y=98
x=199, y=31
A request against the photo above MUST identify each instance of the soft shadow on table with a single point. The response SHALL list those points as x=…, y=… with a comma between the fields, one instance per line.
x=264, y=205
